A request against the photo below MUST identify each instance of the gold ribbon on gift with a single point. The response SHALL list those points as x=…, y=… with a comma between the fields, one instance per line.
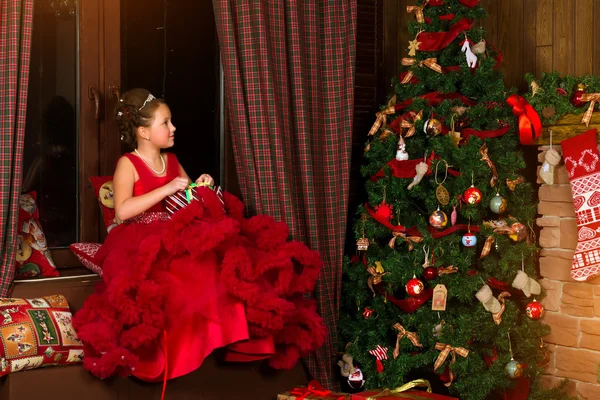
x=428, y=62
x=414, y=339
x=382, y=116
x=447, y=270
x=408, y=239
x=592, y=98
x=498, y=316
x=446, y=350
x=407, y=386
x=483, y=150
x=512, y=183
x=418, y=10
x=411, y=126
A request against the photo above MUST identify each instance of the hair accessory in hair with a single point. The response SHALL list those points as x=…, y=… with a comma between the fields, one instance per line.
x=148, y=100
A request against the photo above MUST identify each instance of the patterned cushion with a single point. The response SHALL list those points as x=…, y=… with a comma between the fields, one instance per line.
x=103, y=188
x=86, y=254
x=37, y=333
x=33, y=257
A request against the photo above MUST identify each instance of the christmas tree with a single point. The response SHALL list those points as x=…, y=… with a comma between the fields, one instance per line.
x=444, y=279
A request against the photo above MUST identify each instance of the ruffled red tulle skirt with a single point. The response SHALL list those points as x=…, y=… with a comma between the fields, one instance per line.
x=176, y=289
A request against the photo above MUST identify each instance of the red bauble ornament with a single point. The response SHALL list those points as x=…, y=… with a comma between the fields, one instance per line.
x=430, y=273
x=384, y=210
x=535, y=310
x=576, y=96
x=414, y=287
x=472, y=195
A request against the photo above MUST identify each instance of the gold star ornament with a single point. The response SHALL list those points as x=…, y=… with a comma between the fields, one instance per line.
x=455, y=138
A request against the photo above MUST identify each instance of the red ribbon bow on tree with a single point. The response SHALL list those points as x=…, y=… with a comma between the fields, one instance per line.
x=530, y=126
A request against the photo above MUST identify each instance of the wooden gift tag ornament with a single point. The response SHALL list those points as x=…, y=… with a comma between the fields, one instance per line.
x=440, y=295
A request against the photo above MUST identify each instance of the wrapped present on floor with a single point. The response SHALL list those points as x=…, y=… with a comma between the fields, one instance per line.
x=314, y=390
x=182, y=198
x=403, y=392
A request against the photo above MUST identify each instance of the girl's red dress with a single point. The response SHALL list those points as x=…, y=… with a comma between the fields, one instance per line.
x=178, y=286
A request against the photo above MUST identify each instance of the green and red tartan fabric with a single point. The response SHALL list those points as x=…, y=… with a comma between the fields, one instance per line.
x=16, y=20
x=289, y=81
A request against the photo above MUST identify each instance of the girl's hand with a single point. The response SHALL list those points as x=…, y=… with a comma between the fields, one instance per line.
x=177, y=184
x=205, y=180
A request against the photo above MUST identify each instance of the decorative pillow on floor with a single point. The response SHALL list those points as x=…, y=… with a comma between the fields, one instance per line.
x=33, y=257
x=86, y=254
x=103, y=188
x=37, y=333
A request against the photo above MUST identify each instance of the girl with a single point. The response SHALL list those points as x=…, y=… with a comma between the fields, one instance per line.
x=177, y=287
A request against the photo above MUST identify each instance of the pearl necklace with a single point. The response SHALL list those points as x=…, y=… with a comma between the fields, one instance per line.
x=150, y=166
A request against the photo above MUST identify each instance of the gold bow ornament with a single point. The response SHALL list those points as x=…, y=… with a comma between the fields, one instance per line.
x=430, y=63
x=382, y=116
x=408, y=239
x=410, y=126
x=418, y=10
x=412, y=336
x=593, y=98
x=516, y=232
x=446, y=350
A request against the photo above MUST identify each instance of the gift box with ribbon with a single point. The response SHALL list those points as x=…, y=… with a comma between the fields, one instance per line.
x=403, y=392
x=182, y=198
x=314, y=390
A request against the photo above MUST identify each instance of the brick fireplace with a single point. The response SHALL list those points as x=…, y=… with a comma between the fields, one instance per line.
x=572, y=308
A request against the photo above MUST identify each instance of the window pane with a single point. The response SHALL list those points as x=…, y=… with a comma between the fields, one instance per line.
x=50, y=157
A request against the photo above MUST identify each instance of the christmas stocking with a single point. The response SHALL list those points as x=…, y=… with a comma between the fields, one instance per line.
x=582, y=161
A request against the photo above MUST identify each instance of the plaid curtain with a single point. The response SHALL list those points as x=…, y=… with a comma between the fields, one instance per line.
x=289, y=81
x=16, y=20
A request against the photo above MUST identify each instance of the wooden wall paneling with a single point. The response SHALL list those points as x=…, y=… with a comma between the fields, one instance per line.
x=89, y=39
x=391, y=25
x=403, y=34
x=529, y=36
x=543, y=22
x=543, y=63
x=490, y=24
x=584, y=36
x=596, y=45
x=564, y=36
x=510, y=17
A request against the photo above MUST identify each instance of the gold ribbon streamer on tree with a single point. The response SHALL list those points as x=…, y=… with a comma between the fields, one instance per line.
x=418, y=10
x=498, y=316
x=408, y=239
x=446, y=350
x=512, y=183
x=447, y=270
x=407, y=386
x=377, y=275
x=428, y=62
x=411, y=126
x=500, y=228
x=483, y=150
x=592, y=98
x=382, y=116
x=414, y=339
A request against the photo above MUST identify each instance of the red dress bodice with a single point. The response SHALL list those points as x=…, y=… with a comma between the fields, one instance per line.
x=148, y=181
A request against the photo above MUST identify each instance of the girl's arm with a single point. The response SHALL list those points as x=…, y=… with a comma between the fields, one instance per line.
x=128, y=206
x=204, y=178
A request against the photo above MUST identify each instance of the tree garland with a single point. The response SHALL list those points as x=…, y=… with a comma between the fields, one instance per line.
x=551, y=94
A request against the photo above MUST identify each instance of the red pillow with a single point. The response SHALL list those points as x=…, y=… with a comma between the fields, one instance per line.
x=86, y=254
x=37, y=333
x=33, y=257
x=103, y=188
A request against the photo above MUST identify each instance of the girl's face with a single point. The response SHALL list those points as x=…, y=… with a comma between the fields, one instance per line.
x=162, y=130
